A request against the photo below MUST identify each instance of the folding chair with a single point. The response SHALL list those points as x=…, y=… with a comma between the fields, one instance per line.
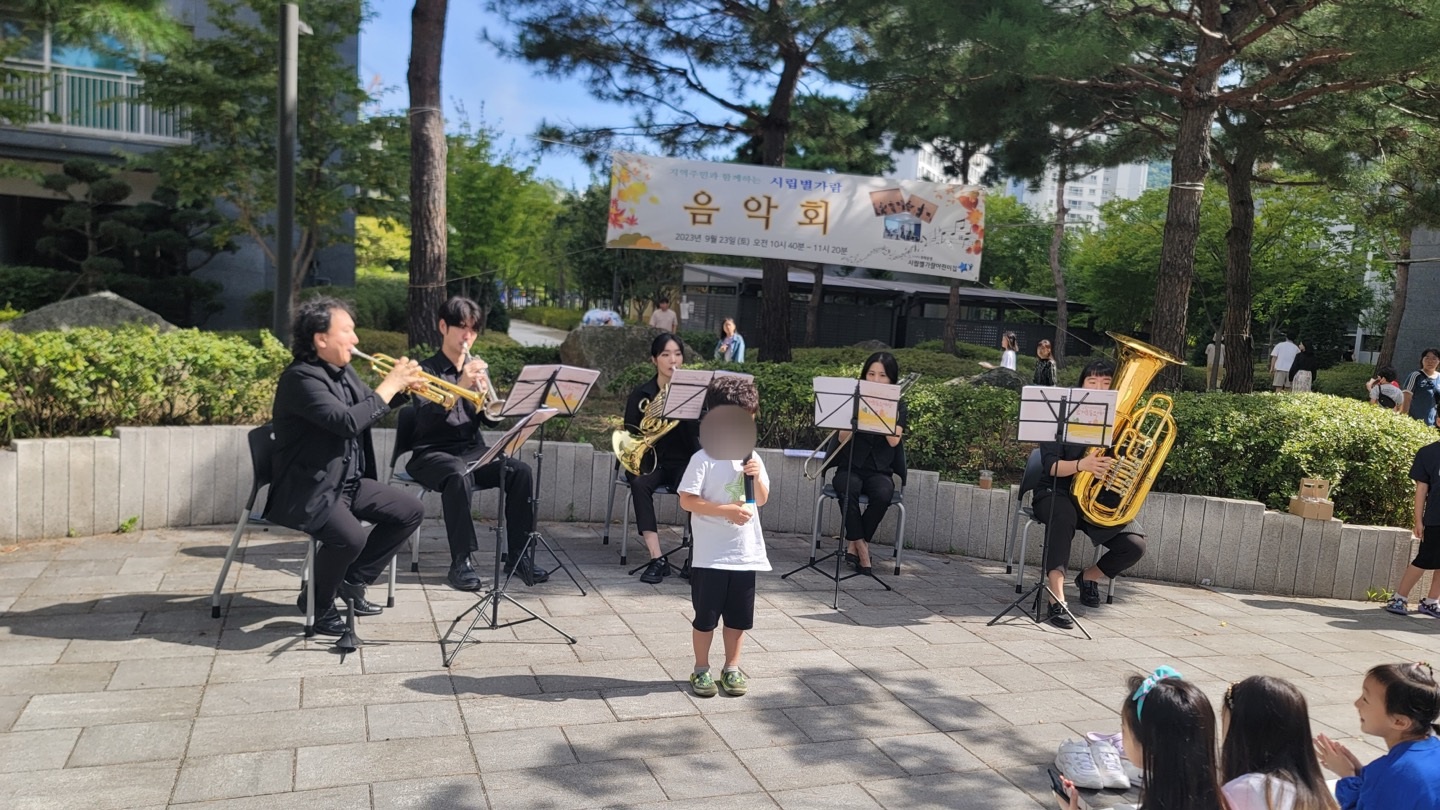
x=897, y=501
x=262, y=446
x=404, y=443
x=622, y=481
x=1024, y=509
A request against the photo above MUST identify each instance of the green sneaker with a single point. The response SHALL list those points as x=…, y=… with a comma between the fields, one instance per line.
x=733, y=682
x=702, y=684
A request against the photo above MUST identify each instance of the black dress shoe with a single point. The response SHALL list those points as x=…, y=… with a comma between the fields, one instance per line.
x=1059, y=617
x=462, y=576
x=330, y=623
x=1089, y=590
x=529, y=572
x=355, y=592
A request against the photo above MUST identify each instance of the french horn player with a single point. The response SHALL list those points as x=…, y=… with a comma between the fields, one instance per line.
x=1100, y=492
x=655, y=451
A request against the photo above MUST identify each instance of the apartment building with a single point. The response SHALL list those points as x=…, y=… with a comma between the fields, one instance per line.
x=82, y=92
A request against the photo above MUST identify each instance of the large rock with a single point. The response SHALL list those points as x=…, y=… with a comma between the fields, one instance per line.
x=1000, y=378
x=610, y=349
x=106, y=310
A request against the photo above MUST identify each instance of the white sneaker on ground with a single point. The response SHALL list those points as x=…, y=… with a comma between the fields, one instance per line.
x=1107, y=761
x=1078, y=765
x=1132, y=772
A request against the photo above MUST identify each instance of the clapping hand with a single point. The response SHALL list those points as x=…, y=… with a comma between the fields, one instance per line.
x=1336, y=757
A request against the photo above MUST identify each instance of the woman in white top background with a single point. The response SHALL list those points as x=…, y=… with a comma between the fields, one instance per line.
x=1010, y=345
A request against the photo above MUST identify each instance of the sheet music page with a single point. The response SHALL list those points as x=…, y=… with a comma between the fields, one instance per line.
x=834, y=402
x=879, y=407
x=572, y=385
x=686, y=397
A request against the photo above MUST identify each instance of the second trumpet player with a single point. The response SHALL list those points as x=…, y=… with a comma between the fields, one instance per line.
x=447, y=441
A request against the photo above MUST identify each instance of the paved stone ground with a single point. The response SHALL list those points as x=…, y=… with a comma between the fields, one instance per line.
x=118, y=690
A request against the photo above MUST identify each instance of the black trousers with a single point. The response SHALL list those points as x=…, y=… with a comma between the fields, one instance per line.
x=345, y=549
x=444, y=472
x=877, y=486
x=667, y=473
x=1123, y=546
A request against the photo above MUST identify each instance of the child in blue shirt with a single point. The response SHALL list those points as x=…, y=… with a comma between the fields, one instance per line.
x=1399, y=703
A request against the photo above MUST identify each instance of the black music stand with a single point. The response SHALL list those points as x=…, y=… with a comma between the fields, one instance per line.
x=685, y=402
x=564, y=389
x=858, y=406
x=1076, y=416
x=507, y=447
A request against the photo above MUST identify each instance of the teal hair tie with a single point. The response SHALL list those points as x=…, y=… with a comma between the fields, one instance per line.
x=1160, y=674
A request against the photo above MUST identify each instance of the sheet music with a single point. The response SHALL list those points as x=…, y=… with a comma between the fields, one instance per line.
x=571, y=384
x=835, y=406
x=1091, y=419
x=509, y=444
x=686, y=397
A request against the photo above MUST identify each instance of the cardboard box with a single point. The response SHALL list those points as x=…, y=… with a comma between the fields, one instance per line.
x=1312, y=508
x=1317, y=489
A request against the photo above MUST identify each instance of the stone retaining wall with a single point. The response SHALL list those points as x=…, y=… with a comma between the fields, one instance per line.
x=196, y=476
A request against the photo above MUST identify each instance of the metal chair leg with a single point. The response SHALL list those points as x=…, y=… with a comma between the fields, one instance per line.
x=625, y=530
x=1020, y=557
x=815, y=527
x=609, y=512
x=229, y=558
x=899, y=537
x=309, y=584
x=390, y=596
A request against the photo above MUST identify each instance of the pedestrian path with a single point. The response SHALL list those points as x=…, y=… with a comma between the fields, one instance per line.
x=118, y=690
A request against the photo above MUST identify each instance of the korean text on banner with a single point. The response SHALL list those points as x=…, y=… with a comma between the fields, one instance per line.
x=908, y=226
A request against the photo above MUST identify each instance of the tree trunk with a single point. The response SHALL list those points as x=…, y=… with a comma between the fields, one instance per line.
x=427, y=172
x=1397, y=306
x=1188, y=169
x=812, y=309
x=952, y=318
x=1057, y=238
x=774, y=343
x=1238, y=343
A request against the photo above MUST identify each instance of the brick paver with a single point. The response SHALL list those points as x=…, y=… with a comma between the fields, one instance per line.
x=117, y=689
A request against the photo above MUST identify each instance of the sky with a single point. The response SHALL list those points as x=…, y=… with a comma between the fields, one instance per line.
x=476, y=78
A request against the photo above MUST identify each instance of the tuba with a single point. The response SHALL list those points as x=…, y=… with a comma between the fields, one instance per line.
x=632, y=450
x=1143, y=434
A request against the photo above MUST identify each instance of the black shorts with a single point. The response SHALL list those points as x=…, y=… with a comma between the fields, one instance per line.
x=1428, y=557
x=715, y=592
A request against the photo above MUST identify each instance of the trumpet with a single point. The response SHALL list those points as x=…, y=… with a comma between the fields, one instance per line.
x=490, y=405
x=442, y=393
x=814, y=463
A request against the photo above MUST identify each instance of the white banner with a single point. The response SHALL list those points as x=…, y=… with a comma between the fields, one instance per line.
x=697, y=206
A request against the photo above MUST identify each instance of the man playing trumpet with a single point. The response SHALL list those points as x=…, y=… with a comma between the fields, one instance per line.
x=448, y=441
x=323, y=473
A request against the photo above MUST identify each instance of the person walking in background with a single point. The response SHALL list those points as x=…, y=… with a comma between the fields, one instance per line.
x=1425, y=472
x=1215, y=363
x=1385, y=390
x=1421, y=388
x=731, y=348
x=664, y=318
x=1044, y=364
x=1303, y=369
x=1009, y=346
x=1281, y=358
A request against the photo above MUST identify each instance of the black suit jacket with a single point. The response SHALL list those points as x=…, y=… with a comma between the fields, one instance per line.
x=313, y=426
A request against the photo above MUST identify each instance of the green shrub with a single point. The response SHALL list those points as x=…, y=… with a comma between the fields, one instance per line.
x=88, y=381
x=1258, y=446
x=553, y=317
x=379, y=303
x=9, y=313
x=701, y=342
x=28, y=288
x=1345, y=380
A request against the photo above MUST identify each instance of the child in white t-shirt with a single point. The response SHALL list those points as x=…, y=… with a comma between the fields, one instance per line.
x=729, y=546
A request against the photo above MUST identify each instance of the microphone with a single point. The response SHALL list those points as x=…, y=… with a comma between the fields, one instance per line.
x=749, y=484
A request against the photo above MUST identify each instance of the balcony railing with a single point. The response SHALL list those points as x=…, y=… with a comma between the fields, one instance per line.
x=91, y=102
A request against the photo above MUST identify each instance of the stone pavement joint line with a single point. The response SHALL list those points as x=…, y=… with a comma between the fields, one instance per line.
x=117, y=689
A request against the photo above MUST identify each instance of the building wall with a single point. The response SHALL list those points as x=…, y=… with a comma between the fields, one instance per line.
x=242, y=273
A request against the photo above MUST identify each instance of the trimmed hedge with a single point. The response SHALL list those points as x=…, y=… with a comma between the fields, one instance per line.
x=553, y=317
x=88, y=381
x=1258, y=446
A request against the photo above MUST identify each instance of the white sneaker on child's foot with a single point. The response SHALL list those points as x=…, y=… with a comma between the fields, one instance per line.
x=1076, y=763
x=1107, y=761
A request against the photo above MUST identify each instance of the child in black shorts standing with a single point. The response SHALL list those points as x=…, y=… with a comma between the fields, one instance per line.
x=1426, y=473
x=729, y=546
